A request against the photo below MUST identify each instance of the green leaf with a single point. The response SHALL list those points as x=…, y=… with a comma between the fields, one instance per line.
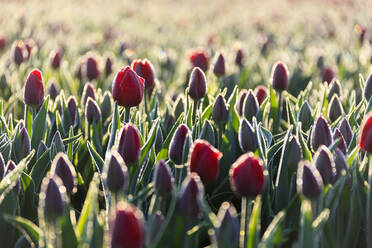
x=254, y=224
x=273, y=233
x=150, y=141
x=115, y=125
x=40, y=168
x=306, y=237
x=96, y=157
x=29, y=229
x=39, y=125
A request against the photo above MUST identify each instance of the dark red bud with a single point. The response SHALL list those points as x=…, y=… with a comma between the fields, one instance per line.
x=25, y=143
x=176, y=146
x=88, y=91
x=79, y=71
x=239, y=57
x=72, y=108
x=19, y=54
x=108, y=66
x=346, y=131
x=62, y=167
x=197, y=84
x=309, y=181
x=34, y=89
x=229, y=228
x=53, y=90
x=327, y=74
x=321, y=134
x=219, y=111
x=335, y=89
x=219, y=66
x=92, y=111
x=279, y=76
x=128, y=88
x=56, y=58
x=335, y=109
x=116, y=175
x=199, y=59
x=325, y=165
x=340, y=162
x=204, y=160
x=250, y=106
x=145, y=69
x=342, y=144
x=129, y=146
x=261, y=93
x=191, y=193
x=240, y=103
x=247, y=137
x=163, y=179
x=52, y=198
x=92, y=71
x=247, y=176
x=29, y=46
x=365, y=136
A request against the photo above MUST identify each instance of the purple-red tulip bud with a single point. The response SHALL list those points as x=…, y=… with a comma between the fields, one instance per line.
x=328, y=75
x=128, y=88
x=247, y=137
x=56, y=58
x=240, y=103
x=29, y=46
x=191, y=193
x=346, y=131
x=197, y=84
x=163, y=179
x=309, y=181
x=53, y=90
x=177, y=143
x=145, y=69
x=88, y=91
x=261, y=93
x=340, y=162
x=219, y=66
x=227, y=232
x=334, y=90
x=219, y=110
x=294, y=153
x=129, y=146
x=108, y=66
x=239, y=57
x=92, y=111
x=52, y=198
x=321, y=134
x=34, y=89
x=250, y=107
x=72, y=108
x=92, y=71
x=19, y=54
x=116, y=175
x=279, y=76
x=335, y=109
x=62, y=167
x=155, y=226
x=199, y=59
x=365, y=136
x=324, y=163
x=247, y=176
x=342, y=144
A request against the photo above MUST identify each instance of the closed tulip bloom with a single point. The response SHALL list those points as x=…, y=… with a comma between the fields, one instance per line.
x=227, y=232
x=177, y=144
x=345, y=129
x=334, y=90
x=128, y=88
x=163, y=179
x=197, y=84
x=145, y=69
x=52, y=198
x=29, y=46
x=240, y=103
x=219, y=66
x=247, y=176
x=158, y=141
x=79, y=71
x=309, y=181
x=365, y=137
x=92, y=111
x=305, y=116
x=72, y=108
x=261, y=93
x=19, y=55
x=62, y=167
x=250, y=107
x=321, y=134
x=239, y=57
x=335, y=109
x=25, y=144
x=155, y=226
x=9, y=167
x=340, y=162
x=53, y=90
x=127, y=230
x=58, y=142
x=328, y=74
x=294, y=153
x=56, y=58
x=92, y=71
x=279, y=76
x=247, y=137
x=342, y=144
x=204, y=160
x=219, y=110
x=88, y=91
x=191, y=193
x=129, y=146
x=368, y=88
x=207, y=133
x=108, y=66
x=325, y=165
x=200, y=59
x=34, y=89
x=116, y=173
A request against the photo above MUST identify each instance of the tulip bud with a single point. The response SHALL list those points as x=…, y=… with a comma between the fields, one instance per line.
x=21, y=144
x=325, y=165
x=29, y=45
x=204, y=160
x=220, y=111
x=177, y=144
x=239, y=57
x=163, y=179
x=240, y=103
x=197, y=84
x=34, y=89
x=340, y=162
x=191, y=193
x=305, y=116
x=106, y=105
x=145, y=69
x=345, y=129
x=158, y=141
x=79, y=71
x=72, y=108
x=368, y=88
x=227, y=232
x=9, y=167
x=365, y=136
x=207, y=133
x=309, y=181
x=92, y=71
x=2, y=167
x=279, y=76
x=18, y=53
x=92, y=111
x=247, y=176
x=52, y=198
x=342, y=144
x=199, y=59
x=41, y=149
x=334, y=90
x=155, y=226
x=63, y=168
x=294, y=153
x=53, y=90
x=116, y=173
x=219, y=66
x=129, y=146
x=335, y=109
x=327, y=74
x=127, y=228
x=88, y=91
x=128, y=88
x=261, y=93
x=3, y=42
x=250, y=106
x=247, y=137
x=108, y=66
x=321, y=134
x=56, y=58
x=179, y=107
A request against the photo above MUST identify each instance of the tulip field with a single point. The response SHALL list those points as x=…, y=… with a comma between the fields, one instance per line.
x=186, y=124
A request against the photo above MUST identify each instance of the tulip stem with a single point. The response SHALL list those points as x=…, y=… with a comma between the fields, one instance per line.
x=195, y=107
x=245, y=215
x=127, y=114
x=146, y=107
x=220, y=127
x=279, y=114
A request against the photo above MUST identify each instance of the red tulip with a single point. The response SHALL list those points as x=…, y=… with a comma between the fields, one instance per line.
x=247, y=176
x=19, y=54
x=365, y=137
x=127, y=230
x=200, y=59
x=261, y=93
x=145, y=69
x=34, y=89
x=92, y=71
x=56, y=58
x=279, y=76
x=204, y=160
x=327, y=75
x=129, y=146
x=219, y=66
x=128, y=88
x=197, y=84
x=177, y=144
